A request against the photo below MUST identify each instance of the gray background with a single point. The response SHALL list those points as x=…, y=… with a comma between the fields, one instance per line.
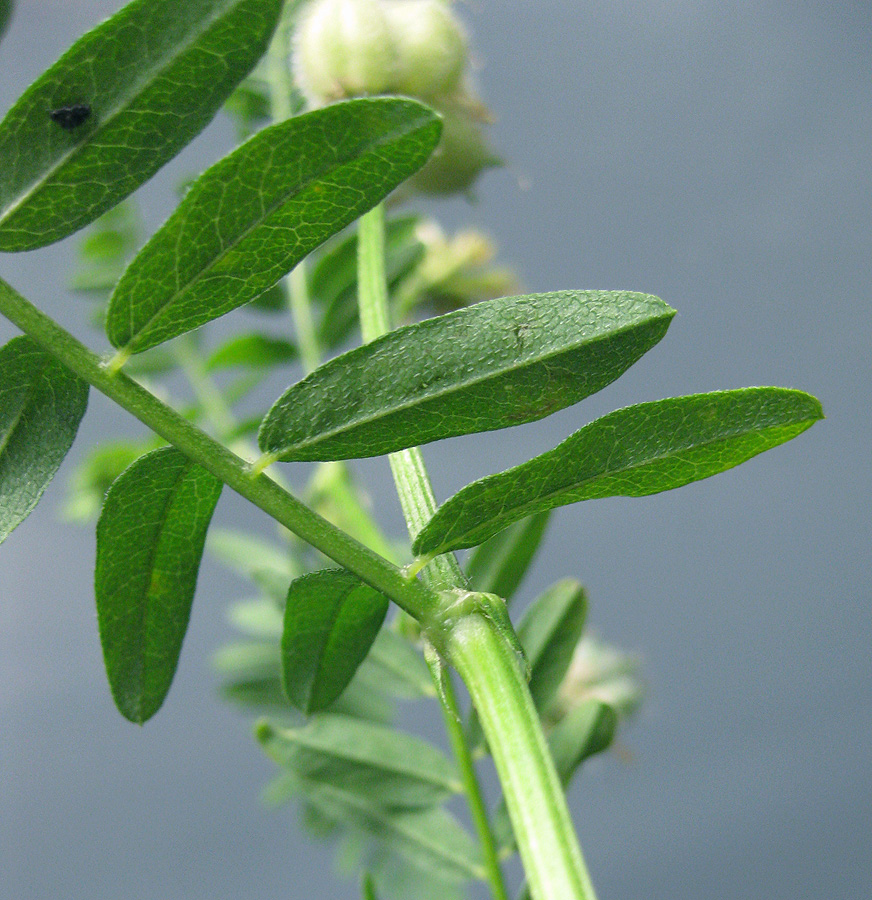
x=716, y=154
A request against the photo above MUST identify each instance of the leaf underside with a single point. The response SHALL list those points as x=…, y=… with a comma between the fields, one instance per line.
x=41, y=406
x=150, y=540
x=151, y=78
x=632, y=452
x=492, y=365
x=250, y=218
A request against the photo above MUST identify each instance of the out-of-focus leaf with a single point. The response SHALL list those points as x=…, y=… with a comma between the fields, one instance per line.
x=149, y=544
x=368, y=887
x=259, y=618
x=121, y=102
x=96, y=472
x=5, y=15
x=398, y=667
x=388, y=767
x=41, y=405
x=431, y=839
x=331, y=620
x=334, y=276
x=106, y=249
x=549, y=632
x=499, y=565
x=492, y=365
x=252, y=350
x=583, y=732
x=633, y=452
x=267, y=565
x=250, y=218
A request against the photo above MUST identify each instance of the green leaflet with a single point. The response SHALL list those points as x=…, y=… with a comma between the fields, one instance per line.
x=331, y=620
x=253, y=351
x=549, y=631
x=499, y=564
x=333, y=282
x=149, y=543
x=148, y=80
x=632, y=452
x=390, y=768
x=5, y=15
x=250, y=218
x=253, y=679
x=583, y=732
x=498, y=363
x=432, y=840
x=269, y=566
x=41, y=405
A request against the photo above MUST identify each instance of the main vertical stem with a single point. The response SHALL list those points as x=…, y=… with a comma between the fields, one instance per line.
x=419, y=504
x=488, y=665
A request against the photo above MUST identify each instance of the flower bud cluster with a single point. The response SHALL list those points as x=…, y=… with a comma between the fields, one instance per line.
x=418, y=48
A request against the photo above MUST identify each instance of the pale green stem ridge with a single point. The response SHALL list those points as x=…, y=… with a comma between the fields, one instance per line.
x=418, y=502
x=409, y=594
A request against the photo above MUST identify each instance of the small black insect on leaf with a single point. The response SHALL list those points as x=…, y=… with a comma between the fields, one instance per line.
x=70, y=117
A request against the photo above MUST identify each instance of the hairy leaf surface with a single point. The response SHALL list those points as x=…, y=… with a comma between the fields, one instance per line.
x=250, y=218
x=41, y=406
x=496, y=364
x=149, y=544
x=146, y=82
x=389, y=767
x=331, y=620
x=633, y=452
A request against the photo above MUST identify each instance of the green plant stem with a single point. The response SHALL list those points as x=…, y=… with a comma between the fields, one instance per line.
x=543, y=829
x=488, y=665
x=418, y=502
x=409, y=594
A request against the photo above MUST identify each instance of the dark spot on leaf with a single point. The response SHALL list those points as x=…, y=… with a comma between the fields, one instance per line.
x=70, y=117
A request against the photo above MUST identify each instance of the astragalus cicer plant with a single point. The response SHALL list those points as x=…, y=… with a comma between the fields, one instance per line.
x=347, y=110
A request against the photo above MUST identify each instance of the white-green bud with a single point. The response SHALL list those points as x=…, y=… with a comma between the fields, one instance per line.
x=344, y=48
x=431, y=47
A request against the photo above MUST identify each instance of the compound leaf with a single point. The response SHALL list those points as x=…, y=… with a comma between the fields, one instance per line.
x=632, y=452
x=250, y=218
x=41, y=405
x=121, y=102
x=331, y=621
x=496, y=364
x=149, y=544
x=389, y=767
